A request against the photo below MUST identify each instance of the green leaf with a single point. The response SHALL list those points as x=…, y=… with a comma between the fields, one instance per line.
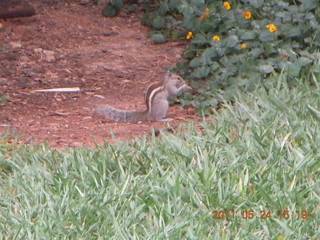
x=266, y=36
x=196, y=62
x=256, y=3
x=293, y=9
x=199, y=39
x=308, y=5
x=181, y=66
x=146, y=21
x=175, y=35
x=197, y=3
x=265, y=69
x=158, y=22
x=231, y=41
x=304, y=61
x=209, y=54
x=173, y=4
x=210, y=24
x=236, y=58
x=158, y=38
x=186, y=10
x=294, y=31
x=118, y=4
x=293, y=69
x=163, y=9
x=214, y=66
x=315, y=68
x=248, y=35
x=256, y=52
x=201, y=72
x=132, y=8
x=109, y=11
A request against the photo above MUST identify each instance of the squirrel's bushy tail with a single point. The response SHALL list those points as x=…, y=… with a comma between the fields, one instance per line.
x=117, y=115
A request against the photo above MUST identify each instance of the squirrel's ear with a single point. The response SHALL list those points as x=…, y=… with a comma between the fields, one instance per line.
x=167, y=75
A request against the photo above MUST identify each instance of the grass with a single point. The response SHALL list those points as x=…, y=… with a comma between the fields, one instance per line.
x=255, y=157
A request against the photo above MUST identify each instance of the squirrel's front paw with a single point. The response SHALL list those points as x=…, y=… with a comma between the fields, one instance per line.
x=186, y=87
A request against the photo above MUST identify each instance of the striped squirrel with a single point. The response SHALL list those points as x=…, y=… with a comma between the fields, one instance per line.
x=156, y=100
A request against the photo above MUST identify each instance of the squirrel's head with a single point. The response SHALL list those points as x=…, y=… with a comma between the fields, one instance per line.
x=175, y=84
x=173, y=79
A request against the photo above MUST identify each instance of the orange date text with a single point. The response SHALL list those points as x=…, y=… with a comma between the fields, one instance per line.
x=250, y=214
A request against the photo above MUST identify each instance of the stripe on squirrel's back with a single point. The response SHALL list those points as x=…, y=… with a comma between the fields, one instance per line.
x=152, y=90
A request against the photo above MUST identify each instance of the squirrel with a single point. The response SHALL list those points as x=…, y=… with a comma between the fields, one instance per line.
x=156, y=100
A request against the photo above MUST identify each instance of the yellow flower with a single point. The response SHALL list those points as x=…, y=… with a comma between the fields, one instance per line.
x=243, y=45
x=205, y=14
x=203, y=17
x=189, y=35
x=216, y=38
x=246, y=15
x=227, y=5
x=271, y=27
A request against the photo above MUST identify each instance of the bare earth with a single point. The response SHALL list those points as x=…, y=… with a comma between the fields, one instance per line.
x=111, y=60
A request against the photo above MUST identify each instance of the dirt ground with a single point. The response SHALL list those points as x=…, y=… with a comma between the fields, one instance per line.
x=67, y=44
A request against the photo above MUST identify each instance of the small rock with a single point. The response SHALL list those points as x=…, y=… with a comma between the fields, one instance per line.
x=49, y=56
x=24, y=59
x=48, y=52
x=38, y=50
x=16, y=44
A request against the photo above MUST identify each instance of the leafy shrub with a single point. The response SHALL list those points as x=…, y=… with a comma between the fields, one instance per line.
x=236, y=44
x=112, y=8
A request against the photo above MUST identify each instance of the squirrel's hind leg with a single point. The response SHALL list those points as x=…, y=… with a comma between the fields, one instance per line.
x=159, y=111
